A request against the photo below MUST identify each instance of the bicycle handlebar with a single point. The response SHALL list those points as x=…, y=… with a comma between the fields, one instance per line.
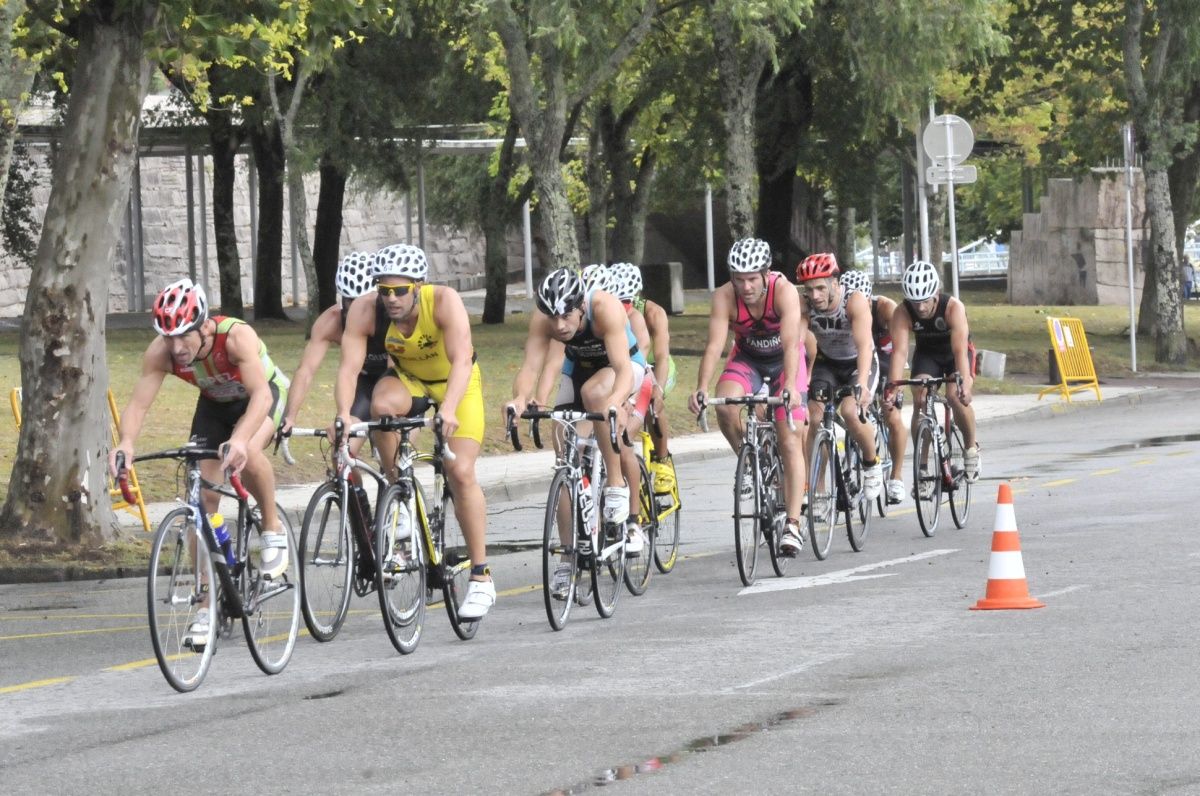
x=123, y=479
x=745, y=400
x=927, y=382
x=534, y=414
x=186, y=452
x=282, y=439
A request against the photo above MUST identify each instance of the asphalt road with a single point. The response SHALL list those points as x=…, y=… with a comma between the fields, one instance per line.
x=867, y=674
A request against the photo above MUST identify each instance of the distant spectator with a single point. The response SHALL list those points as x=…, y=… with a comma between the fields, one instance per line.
x=1189, y=277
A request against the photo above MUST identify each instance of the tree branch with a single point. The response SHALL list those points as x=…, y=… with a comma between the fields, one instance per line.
x=632, y=38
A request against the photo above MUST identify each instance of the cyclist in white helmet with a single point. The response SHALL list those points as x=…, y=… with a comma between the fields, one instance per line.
x=938, y=321
x=763, y=310
x=427, y=334
x=353, y=279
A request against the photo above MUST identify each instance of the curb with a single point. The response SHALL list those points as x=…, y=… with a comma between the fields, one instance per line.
x=1149, y=395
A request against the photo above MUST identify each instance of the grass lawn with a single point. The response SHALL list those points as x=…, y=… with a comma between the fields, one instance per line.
x=1017, y=331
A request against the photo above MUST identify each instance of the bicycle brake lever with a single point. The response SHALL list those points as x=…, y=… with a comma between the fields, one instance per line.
x=510, y=426
x=535, y=428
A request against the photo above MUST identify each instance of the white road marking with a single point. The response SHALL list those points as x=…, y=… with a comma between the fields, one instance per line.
x=840, y=576
x=1061, y=592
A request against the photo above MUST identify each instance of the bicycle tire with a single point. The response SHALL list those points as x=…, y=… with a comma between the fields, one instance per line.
x=271, y=615
x=608, y=561
x=852, y=482
x=774, y=509
x=453, y=561
x=747, y=528
x=174, y=590
x=883, y=450
x=560, y=508
x=666, y=538
x=822, y=500
x=638, y=568
x=326, y=563
x=401, y=587
x=960, y=495
x=927, y=469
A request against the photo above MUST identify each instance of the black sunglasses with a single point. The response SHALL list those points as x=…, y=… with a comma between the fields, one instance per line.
x=393, y=290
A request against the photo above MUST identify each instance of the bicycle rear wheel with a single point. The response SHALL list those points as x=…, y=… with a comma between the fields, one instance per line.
x=608, y=564
x=271, y=617
x=859, y=507
x=747, y=528
x=562, y=518
x=883, y=450
x=326, y=563
x=960, y=494
x=822, y=494
x=179, y=584
x=453, y=562
x=774, y=509
x=639, y=567
x=400, y=578
x=666, y=536
x=927, y=478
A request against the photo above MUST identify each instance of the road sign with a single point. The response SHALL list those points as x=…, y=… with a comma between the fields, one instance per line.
x=959, y=175
x=952, y=147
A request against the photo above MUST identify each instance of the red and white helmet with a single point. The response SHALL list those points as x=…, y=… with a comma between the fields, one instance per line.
x=179, y=308
x=817, y=266
x=353, y=276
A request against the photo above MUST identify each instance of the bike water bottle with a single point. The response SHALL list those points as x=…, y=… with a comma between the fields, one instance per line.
x=222, y=533
x=587, y=503
x=364, y=505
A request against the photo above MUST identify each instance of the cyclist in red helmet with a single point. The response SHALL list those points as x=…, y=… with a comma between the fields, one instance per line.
x=841, y=323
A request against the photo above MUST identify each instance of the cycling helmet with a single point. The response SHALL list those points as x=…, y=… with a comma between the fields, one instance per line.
x=627, y=279
x=817, y=266
x=857, y=280
x=560, y=292
x=400, y=259
x=749, y=256
x=353, y=276
x=179, y=308
x=597, y=277
x=920, y=281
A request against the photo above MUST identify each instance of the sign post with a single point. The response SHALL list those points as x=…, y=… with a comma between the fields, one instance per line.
x=948, y=140
x=1127, y=136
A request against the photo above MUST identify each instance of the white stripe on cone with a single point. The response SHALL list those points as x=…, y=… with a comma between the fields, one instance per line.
x=1006, y=518
x=1006, y=566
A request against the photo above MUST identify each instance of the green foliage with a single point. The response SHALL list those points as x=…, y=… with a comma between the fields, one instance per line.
x=21, y=229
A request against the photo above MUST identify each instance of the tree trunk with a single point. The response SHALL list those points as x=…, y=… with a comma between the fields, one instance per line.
x=908, y=199
x=328, y=234
x=554, y=211
x=58, y=492
x=16, y=77
x=845, y=236
x=268, y=269
x=1170, y=345
x=739, y=66
x=225, y=140
x=632, y=207
x=497, y=211
x=598, y=184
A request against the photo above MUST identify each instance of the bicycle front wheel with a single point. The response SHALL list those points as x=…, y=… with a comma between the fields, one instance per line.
x=608, y=564
x=271, y=616
x=747, y=519
x=451, y=561
x=639, y=567
x=927, y=478
x=774, y=509
x=666, y=535
x=400, y=571
x=326, y=563
x=559, y=533
x=180, y=583
x=822, y=494
x=883, y=451
x=852, y=481
x=960, y=492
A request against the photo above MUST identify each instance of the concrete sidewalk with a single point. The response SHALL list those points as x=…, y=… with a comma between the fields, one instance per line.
x=516, y=476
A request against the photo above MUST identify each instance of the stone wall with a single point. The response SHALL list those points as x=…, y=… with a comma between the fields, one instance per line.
x=371, y=220
x=1073, y=250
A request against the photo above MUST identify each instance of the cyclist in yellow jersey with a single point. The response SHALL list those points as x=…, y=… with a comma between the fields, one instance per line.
x=429, y=342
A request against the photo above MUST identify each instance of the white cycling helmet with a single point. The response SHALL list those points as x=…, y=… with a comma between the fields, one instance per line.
x=749, y=256
x=920, y=281
x=856, y=280
x=400, y=259
x=180, y=307
x=597, y=277
x=560, y=292
x=353, y=277
x=627, y=280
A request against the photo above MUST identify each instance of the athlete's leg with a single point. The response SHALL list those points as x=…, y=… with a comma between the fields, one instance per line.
x=392, y=397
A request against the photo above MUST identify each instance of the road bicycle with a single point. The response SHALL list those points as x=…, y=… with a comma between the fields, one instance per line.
x=938, y=457
x=188, y=564
x=667, y=505
x=835, y=479
x=338, y=547
x=574, y=533
x=759, y=507
x=883, y=449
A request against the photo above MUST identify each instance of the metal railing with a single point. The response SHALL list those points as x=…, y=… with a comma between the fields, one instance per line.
x=979, y=263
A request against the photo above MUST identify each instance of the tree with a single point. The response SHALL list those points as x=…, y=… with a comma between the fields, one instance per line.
x=16, y=78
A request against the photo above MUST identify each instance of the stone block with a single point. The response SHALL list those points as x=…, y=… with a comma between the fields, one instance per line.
x=663, y=284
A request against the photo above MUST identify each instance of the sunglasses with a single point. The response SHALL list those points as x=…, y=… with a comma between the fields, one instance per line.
x=393, y=290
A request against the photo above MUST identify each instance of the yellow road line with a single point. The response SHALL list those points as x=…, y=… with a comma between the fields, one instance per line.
x=12, y=689
x=41, y=617
x=1108, y=471
x=1180, y=453
x=72, y=632
x=1143, y=462
x=1060, y=482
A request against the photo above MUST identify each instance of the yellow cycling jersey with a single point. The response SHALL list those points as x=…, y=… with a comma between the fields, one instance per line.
x=422, y=354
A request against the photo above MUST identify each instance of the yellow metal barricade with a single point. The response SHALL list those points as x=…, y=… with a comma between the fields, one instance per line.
x=137, y=509
x=1075, y=369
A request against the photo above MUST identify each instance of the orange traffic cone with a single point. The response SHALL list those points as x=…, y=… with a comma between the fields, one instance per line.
x=1006, y=586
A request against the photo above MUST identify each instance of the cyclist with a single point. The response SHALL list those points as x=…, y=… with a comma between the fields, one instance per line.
x=763, y=311
x=353, y=279
x=938, y=321
x=841, y=323
x=602, y=368
x=241, y=401
x=656, y=347
x=882, y=308
x=427, y=335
